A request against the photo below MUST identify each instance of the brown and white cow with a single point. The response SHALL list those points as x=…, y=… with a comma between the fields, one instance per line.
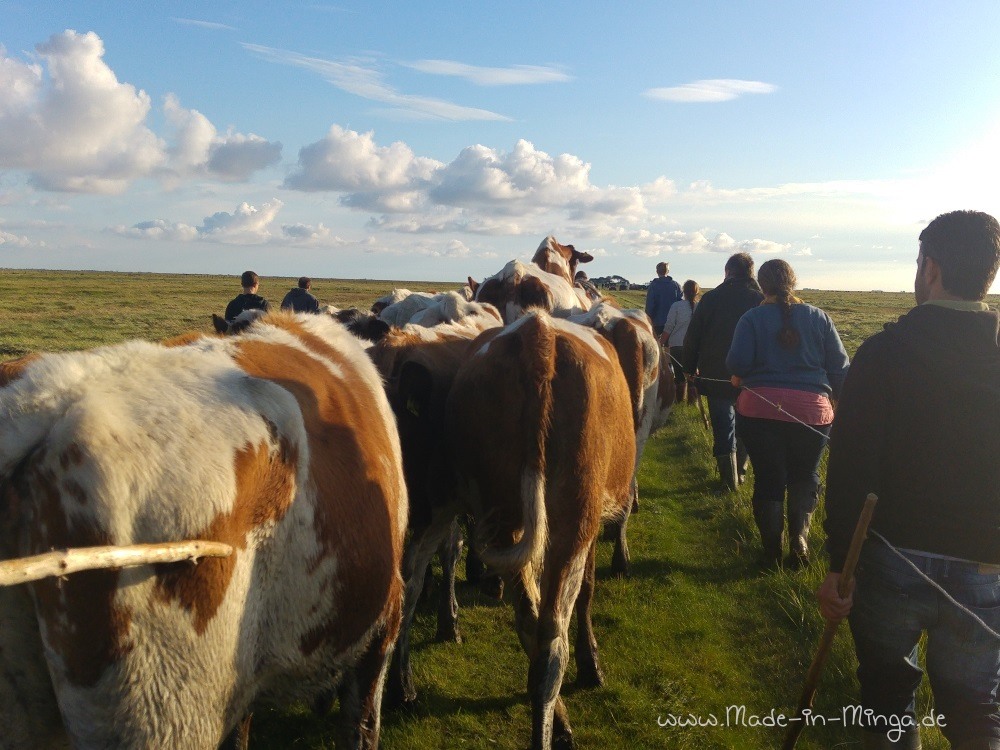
x=540, y=428
x=519, y=287
x=419, y=365
x=651, y=392
x=561, y=260
x=279, y=442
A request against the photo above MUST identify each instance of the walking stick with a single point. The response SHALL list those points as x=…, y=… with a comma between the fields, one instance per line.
x=826, y=640
x=704, y=416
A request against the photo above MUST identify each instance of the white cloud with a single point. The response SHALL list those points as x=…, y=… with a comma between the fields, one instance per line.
x=481, y=181
x=79, y=129
x=348, y=161
x=247, y=224
x=647, y=244
x=203, y=24
x=804, y=252
x=13, y=240
x=198, y=150
x=712, y=90
x=514, y=75
x=355, y=78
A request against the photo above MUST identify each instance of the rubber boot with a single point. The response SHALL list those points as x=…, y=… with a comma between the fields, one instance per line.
x=770, y=522
x=909, y=740
x=727, y=471
x=802, y=500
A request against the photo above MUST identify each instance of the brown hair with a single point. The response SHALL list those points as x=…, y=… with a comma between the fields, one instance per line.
x=777, y=279
x=740, y=264
x=249, y=279
x=691, y=291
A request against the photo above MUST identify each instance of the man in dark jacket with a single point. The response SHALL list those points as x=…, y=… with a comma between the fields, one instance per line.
x=662, y=293
x=706, y=344
x=919, y=425
x=249, y=300
x=299, y=299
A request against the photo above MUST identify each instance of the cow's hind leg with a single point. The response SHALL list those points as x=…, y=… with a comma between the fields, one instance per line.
x=419, y=550
x=620, y=557
x=361, y=692
x=588, y=670
x=451, y=550
x=562, y=578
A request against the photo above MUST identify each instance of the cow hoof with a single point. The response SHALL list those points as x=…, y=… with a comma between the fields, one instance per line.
x=400, y=697
x=447, y=635
x=589, y=676
x=619, y=567
x=563, y=741
x=492, y=586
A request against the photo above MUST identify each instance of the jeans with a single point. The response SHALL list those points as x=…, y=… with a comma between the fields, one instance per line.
x=784, y=455
x=722, y=413
x=893, y=605
x=676, y=357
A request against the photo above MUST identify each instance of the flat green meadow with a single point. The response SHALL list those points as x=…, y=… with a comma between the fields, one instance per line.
x=695, y=632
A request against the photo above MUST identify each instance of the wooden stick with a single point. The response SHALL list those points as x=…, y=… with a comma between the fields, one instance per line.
x=704, y=416
x=64, y=562
x=826, y=640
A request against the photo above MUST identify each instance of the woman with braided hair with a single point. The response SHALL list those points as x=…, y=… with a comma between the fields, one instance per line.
x=789, y=360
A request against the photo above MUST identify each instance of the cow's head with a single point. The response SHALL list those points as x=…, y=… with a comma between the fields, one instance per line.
x=562, y=260
x=364, y=325
x=239, y=324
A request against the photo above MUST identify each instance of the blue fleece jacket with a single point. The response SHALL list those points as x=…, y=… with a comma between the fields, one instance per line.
x=663, y=292
x=818, y=364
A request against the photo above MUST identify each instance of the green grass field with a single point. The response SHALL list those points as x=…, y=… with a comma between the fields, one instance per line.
x=695, y=630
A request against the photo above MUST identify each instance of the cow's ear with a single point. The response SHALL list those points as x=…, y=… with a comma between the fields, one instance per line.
x=375, y=329
x=221, y=324
x=581, y=257
x=474, y=286
x=415, y=387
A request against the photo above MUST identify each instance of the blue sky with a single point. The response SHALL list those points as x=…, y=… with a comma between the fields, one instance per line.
x=439, y=140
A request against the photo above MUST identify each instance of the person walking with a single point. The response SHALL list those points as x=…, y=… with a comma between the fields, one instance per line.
x=662, y=293
x=706, y=345
x=674, y=331
x=917, y=424
x=785, y=353
x=299, y=298
x=249, y=299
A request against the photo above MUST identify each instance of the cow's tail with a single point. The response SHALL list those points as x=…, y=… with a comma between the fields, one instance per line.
x=537, y=368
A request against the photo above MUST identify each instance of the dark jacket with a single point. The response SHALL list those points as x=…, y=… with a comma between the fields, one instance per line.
x=299, y=300
x=917, y=424
x=245, y=302
x=662, y=293
x=711, y=332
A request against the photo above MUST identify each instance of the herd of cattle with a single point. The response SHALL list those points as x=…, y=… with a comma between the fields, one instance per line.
x=333, y=453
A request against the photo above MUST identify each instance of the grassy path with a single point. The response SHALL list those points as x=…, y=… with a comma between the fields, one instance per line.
x=695, y=630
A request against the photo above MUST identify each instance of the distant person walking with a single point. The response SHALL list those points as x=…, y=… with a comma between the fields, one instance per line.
x=789, y=353
x=674, y=331
x=705, y=348
x=299, y=298
x=249, y=300
x=917, y=424
x=662, y=293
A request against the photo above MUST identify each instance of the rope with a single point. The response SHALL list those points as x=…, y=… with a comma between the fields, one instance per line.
x=778, y=407
x=934, y=584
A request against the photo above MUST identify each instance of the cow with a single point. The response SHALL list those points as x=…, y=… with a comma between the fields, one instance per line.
x=419, y=365
x=651, y=391
x=279, y=442
x=518, y=287
x=540, y=432
x=561, y=260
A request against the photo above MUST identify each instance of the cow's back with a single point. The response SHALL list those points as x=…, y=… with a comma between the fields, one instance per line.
x=279, y=443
